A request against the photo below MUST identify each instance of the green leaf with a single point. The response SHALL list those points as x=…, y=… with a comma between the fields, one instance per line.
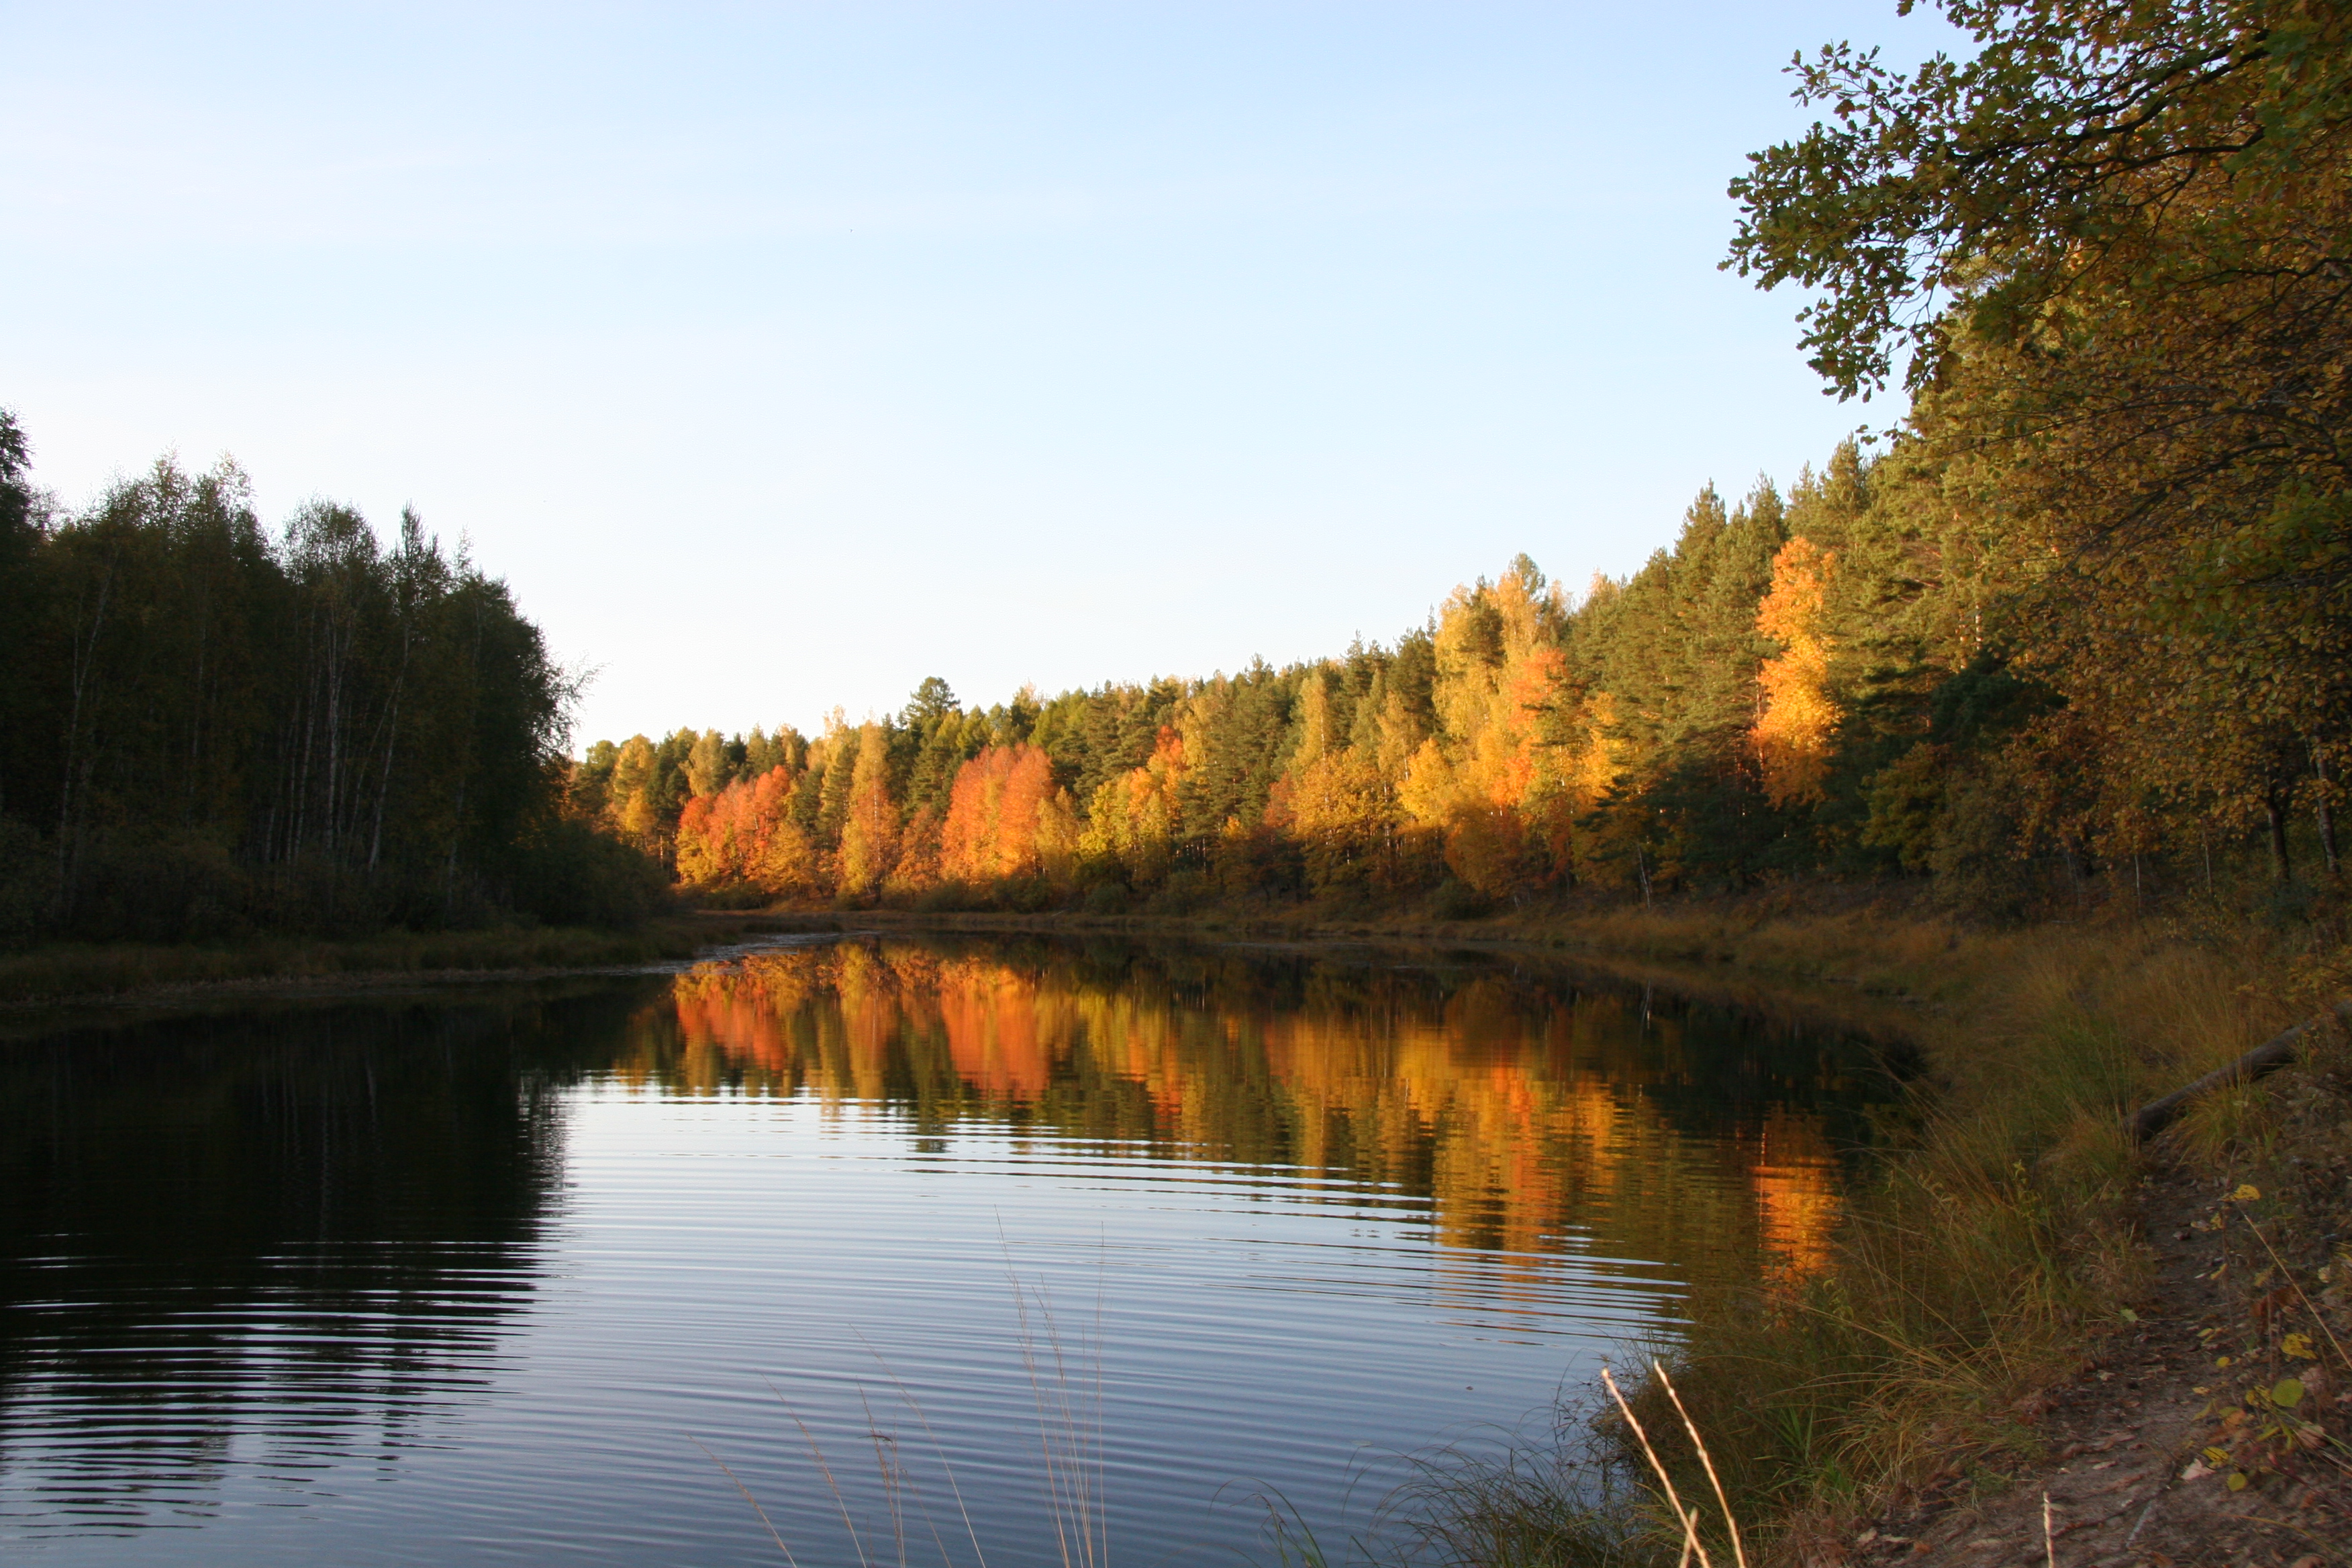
x=2288, y=1393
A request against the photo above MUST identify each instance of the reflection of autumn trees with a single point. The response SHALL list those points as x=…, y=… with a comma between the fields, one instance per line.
x=1528, y=1113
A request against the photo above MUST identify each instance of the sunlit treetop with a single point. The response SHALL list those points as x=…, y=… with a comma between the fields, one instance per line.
x=2128, y=143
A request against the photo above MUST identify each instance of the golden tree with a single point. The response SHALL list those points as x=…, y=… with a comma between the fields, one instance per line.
x=1132, y=818
x=869, y=832
x=1794, y=734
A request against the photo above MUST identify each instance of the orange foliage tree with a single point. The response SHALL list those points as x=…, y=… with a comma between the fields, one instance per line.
x=918, y=871
x=742, y=835
x=990, y=834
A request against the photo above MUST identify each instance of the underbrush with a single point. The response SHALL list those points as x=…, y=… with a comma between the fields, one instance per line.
x=159, y=888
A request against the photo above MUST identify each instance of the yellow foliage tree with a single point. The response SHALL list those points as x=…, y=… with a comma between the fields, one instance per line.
x=1794, y=734
x=784, y=861
x=870, y=832
x=629, y=804
x=1058, y=832
x=1132, y=818
x=1492, y=783
x=1339, y=812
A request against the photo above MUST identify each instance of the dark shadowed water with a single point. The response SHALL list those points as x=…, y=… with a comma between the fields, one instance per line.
x=506, y=1274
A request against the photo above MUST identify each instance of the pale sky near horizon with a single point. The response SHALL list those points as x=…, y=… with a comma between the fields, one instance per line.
x=782, y=355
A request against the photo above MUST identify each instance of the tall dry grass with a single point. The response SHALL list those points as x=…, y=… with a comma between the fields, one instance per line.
x=1065, y=1379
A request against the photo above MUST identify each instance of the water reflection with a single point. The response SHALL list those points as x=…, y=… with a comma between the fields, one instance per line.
x=452, y=1277
x=273, y=1241
x=1529, y=1107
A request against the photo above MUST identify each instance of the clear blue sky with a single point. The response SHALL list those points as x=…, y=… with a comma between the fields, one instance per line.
x=782, y=355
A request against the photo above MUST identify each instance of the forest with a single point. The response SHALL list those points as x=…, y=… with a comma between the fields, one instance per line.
x=2077, y=629
x=215, y=731
x=1861, y=679
x=1845, y=680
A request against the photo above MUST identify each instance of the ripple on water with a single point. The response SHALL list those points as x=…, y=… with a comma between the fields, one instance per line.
x=485, y=1281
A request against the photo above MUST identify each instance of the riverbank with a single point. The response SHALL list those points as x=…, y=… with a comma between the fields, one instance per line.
x=2028, y=1299
x=2025, y=1303
x=73, y=974
x=1850, y=962
x=1870, y=940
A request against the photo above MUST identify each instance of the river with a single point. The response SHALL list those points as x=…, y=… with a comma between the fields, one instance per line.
x=934, y=1250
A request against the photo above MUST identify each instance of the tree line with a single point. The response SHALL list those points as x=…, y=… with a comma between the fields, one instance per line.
x=1837, y=680
x=2081, y=623
x=215, y=729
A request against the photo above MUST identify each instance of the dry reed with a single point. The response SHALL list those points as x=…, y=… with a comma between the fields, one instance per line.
x=1070, y=1434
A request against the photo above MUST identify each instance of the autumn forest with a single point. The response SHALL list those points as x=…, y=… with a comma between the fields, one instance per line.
x=2076, y=630
x=1804, y=684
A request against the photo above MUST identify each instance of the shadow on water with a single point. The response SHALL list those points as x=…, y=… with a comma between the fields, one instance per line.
x=293, y=1229
x=272, y=1254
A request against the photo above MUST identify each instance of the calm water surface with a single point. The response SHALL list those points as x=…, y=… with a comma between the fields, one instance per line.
x=496, y=1275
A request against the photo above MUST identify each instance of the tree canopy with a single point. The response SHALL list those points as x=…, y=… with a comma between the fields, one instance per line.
x=213, y=727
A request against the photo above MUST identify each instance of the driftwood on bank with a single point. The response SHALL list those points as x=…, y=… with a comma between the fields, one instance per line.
x=2267, y=1057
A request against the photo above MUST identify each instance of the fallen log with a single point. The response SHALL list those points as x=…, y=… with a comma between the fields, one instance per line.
x=2267, y=1057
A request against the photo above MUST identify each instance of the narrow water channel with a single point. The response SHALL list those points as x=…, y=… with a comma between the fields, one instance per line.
x=498, y=1274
